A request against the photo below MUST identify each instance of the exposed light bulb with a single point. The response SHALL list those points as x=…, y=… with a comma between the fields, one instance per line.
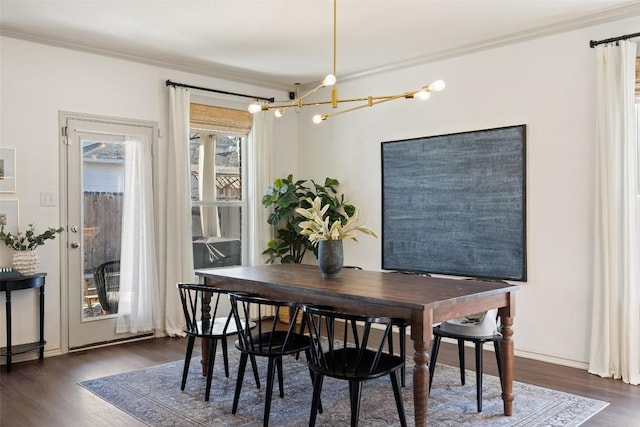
x=330, y=80
x=254, y=108
x=423, y=95
x=438, y=85
x=279, y=112
x=317, y=119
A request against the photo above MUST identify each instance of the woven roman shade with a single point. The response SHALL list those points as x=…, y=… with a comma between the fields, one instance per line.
x=208, y=117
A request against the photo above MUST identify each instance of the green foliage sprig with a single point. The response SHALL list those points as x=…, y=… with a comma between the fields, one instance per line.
x=284, y=197
x=29, y=240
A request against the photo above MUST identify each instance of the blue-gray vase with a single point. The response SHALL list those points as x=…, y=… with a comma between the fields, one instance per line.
x=330, y=258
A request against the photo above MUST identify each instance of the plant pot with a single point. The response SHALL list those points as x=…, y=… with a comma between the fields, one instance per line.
x=330, y=258
x=25, y=262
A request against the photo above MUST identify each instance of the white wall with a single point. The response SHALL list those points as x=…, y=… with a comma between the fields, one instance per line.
x=547, y=84
x=39, y=81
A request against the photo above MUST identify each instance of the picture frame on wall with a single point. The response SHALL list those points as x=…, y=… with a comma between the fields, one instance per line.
x=9, y=215
x=7, y=170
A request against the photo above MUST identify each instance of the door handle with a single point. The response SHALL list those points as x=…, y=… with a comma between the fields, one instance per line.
x=75, y=244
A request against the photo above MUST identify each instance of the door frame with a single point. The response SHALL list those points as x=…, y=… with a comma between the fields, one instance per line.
x=63, y=116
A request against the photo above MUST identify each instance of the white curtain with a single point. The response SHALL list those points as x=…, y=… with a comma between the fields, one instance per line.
x=177, y=236
x=207, y=185
x=615, y=336
x=260, y=164
x=139, y=304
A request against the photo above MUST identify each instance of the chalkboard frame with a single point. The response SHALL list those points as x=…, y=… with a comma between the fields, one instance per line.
x=455, y=204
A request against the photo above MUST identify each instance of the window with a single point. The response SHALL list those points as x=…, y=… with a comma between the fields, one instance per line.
x=218, y=139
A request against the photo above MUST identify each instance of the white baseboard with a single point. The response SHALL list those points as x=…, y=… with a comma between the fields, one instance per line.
x=535, y=356
x=562, y=361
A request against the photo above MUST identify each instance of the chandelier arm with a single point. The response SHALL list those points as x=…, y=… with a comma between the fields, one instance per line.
x=370, y=103
x=375, y=99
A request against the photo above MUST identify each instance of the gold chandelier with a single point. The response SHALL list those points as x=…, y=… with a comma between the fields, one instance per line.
x=422, y=93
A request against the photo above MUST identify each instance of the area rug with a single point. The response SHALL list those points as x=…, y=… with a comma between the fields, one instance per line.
x=153, y=396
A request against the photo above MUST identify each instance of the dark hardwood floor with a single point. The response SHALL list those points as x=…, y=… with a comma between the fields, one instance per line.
x=47, y=393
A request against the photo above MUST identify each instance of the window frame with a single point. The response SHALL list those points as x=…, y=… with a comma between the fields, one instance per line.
x=242, y=203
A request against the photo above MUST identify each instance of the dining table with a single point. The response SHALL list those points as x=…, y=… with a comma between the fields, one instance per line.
x=422, y=300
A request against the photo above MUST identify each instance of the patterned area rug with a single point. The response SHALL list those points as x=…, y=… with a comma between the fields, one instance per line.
x=153, y=396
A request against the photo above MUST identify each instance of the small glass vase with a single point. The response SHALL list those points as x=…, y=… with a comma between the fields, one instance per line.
x=330, y=258
x=25, y=262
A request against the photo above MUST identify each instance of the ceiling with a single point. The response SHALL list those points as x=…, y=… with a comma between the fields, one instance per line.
x=277, y=43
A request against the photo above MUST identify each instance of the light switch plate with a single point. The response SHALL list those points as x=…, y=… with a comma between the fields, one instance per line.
x=48, y=198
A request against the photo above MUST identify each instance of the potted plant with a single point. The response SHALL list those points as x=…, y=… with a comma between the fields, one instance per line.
x=25, y=259
x=287, y=195
x=327, y=234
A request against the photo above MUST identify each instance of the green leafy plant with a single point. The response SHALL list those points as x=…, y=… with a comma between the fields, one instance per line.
x=285, y=196
x=29, y=240
x=319, y=226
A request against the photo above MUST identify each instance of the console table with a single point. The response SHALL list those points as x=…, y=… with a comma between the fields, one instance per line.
x=8, y=285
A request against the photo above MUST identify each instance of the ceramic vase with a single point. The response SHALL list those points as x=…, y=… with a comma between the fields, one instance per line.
x=25, y=262
x=330, y=258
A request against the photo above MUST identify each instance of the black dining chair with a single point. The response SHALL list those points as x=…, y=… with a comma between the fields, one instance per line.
x=107, y=280
x=344, y=347
x=477, y=329
x=218, y=325
x=271, y=339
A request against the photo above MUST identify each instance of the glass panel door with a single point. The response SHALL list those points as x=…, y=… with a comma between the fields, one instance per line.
x=95, y=158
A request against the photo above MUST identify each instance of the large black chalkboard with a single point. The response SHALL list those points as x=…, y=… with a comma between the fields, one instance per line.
x=455, y=204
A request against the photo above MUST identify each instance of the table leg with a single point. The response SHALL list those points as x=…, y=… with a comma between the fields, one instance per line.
x=42, y=341
x=8, y=317
x=421, y=382
x=507, y=363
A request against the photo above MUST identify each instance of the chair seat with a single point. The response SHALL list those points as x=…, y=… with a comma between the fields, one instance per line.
x=218, y=329
x=274, y=343
x=342, y=364
x=447, y=331
x=475, y=325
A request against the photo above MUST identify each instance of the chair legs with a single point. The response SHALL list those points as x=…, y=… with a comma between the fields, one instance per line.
x=497, y=346
x=355, y=394
x=213, y=344
x=187, y=360
x=274, y=364
x=434, y=357
x=241, y=367
x=398, y=396
x=403, y=349
x=461, y=361
x=479, y=375
x=315, y=403
x=461, y=357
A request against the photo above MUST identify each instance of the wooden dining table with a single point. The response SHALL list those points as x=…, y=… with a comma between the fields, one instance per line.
x=421, y=300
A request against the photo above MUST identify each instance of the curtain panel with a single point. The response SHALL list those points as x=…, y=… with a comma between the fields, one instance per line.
x=177, y=259
x=615, y=332
x=139, y=304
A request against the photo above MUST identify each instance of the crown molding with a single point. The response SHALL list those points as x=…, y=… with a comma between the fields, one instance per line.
x=255, y=78
x=602, y=17
x=218, y=71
